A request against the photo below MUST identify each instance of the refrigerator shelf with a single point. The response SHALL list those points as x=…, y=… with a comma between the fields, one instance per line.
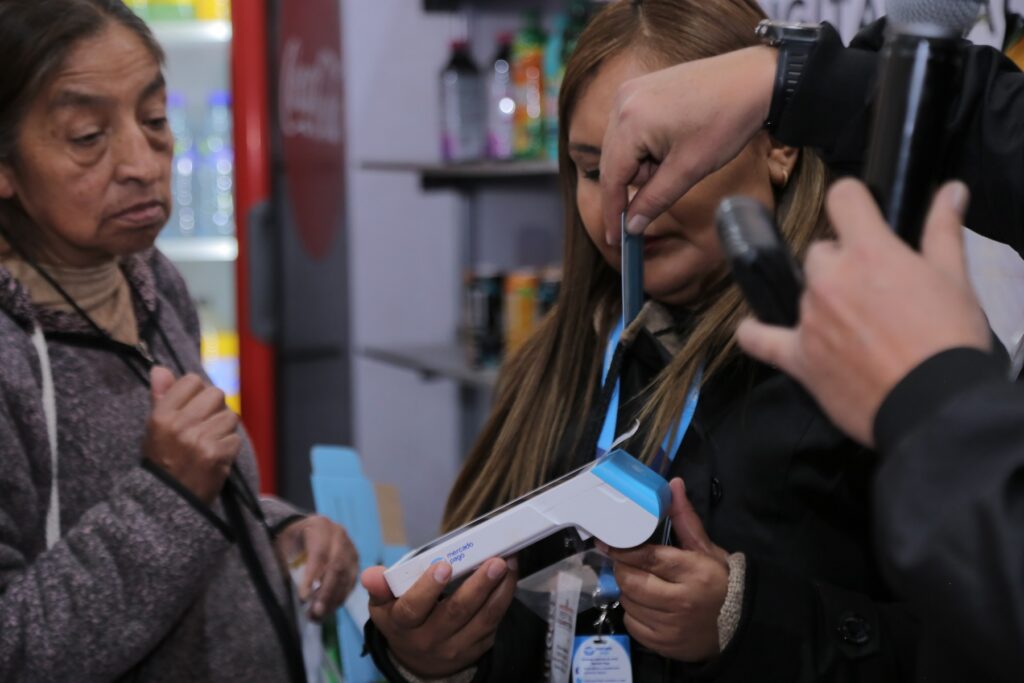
x=172, y=34
x=435, y=361
x=199, y=249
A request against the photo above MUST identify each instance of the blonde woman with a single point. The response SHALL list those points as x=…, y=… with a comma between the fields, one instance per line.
x=772, y=577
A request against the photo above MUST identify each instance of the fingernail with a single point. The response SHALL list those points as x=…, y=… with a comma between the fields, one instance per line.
x=513, y=564
x=637, y=224
x=442, y=571
x=958, y=195
x=496, y=570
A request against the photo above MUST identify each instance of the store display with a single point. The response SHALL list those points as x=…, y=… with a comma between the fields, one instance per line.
x=501, y=102
x=520, y=307
x=463, y=121
x=213, y=10
x=181, y=10
x=170, y=10
x=216, y=214
x=484, y=298
x=615, y=498
x=560, y=47
x=183, y=206
x=219, y=352
x=527, y=75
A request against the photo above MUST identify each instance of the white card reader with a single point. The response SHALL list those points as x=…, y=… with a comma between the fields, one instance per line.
x=616, y=499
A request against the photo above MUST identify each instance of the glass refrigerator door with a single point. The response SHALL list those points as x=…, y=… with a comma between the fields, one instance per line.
x=200, y=237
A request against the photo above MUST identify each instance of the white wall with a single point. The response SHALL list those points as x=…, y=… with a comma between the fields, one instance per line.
x=403, y=251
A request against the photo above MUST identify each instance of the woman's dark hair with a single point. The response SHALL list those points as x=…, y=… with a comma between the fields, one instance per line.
x=36, y=37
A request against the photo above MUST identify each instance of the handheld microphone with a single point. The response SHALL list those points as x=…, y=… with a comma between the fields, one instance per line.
x=919, y=77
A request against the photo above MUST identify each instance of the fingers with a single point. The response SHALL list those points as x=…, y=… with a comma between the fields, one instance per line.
x=770, y=344
x=943, y=241
x=854, y=213
x=418, y=603
x=672, y=179
x=222, y=424
x=206, y=403
x=181, y=392
x=377, y=586
x=481, y=628
x=337, y=574
x=463, y=605
x=642, y=587
x=316, y=541
x=663, y=561
x=619, y=165
x=686, y=524
x=160, y=382
x=643, y=633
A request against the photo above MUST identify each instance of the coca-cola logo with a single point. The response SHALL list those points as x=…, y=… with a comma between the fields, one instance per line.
x=311, y=94
x=310, y=110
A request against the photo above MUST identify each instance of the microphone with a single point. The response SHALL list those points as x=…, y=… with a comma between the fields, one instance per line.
x=919, y=76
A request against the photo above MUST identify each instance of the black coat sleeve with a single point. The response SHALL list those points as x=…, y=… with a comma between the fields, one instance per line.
x=805, y=631
x=949, y=506
x=831, y=110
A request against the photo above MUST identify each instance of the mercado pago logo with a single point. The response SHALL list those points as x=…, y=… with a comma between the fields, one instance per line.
x=310, y=109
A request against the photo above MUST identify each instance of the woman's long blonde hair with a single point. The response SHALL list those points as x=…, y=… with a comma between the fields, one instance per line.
x=544, y=396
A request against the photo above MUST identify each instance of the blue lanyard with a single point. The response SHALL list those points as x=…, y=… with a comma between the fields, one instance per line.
x=672, y=441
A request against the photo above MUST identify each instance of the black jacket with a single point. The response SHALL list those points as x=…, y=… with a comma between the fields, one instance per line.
x=772, y=478
x=949, y=506
x=831, y=109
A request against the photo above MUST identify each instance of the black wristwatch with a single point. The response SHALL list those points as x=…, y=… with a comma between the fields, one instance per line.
x=794, y=42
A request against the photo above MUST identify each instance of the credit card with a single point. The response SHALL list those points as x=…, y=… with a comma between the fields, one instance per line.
x=632, y=274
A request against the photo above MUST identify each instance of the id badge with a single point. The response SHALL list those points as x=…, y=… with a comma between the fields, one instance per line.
x=601, y=659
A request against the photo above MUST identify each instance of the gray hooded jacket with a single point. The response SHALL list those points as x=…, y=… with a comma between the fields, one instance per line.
x=145, y=582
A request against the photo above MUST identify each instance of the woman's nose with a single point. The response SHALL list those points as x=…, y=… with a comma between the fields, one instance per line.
x=141, y=157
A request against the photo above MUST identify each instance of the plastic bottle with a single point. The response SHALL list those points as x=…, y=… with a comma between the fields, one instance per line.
x=501, y=102
x=527, y=66
x=183, y=205
x=216, y=169
x=520, y=307
x=559, y=48
x=463, y=122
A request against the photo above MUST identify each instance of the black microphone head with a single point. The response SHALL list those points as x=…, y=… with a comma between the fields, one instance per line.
x=956, y=16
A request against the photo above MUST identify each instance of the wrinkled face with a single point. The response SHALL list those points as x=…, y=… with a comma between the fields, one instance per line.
x=93, y=157
x=682, y=256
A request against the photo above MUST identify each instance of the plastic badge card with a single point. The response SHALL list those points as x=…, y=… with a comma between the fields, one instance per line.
x=616, y=499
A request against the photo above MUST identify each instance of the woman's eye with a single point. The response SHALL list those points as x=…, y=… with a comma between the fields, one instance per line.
x=87, y=140
x=593, y=176
x=157, y=122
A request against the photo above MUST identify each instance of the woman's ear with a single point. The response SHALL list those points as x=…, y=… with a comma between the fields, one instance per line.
x=781, y=162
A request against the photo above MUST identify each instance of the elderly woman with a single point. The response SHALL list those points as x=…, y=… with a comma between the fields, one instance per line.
x=131, y=544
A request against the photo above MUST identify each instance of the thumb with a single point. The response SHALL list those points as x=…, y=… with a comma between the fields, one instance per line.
x=160, y=382
x=685, y=522
x=377, y=586
x=777, y=346
x=943, y=241
x=671, y=180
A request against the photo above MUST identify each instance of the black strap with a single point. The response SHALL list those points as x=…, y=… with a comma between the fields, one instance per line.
x=286, y=635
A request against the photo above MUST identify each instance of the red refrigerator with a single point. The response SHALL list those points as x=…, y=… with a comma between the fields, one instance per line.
x=258, y=228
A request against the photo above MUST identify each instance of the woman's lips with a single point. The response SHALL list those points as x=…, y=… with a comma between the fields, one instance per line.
x=141, y=215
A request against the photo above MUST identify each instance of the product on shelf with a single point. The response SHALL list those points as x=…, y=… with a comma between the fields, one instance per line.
x=520, y=307
x=213, y=10
x=501, y=102
x=559, y=48
x=169, y=10
x=219, y=352
x=484, y=295
x=183, y=198
x=548, y=289
x=216, y=214
x=463, y=121
x=527, y=75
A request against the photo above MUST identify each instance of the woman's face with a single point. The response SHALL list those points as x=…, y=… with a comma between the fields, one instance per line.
x=93, y=158
x=682, y=256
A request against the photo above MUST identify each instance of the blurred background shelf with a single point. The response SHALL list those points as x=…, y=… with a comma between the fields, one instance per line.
x=185, y=33
x=441, y=175
x=435, y=362
x=199, y=249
